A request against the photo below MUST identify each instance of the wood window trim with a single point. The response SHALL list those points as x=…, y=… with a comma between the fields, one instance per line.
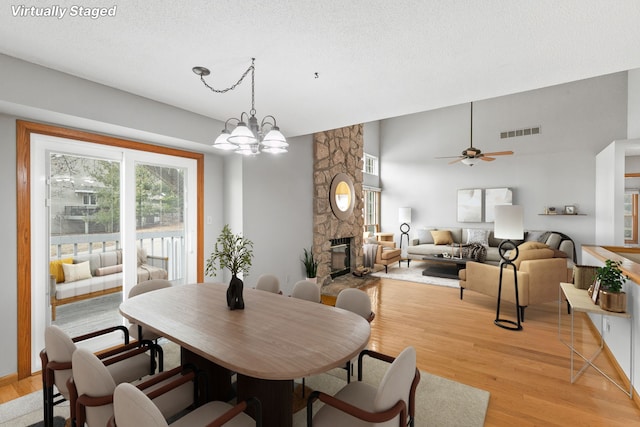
x=24, y=129
x=634, y=220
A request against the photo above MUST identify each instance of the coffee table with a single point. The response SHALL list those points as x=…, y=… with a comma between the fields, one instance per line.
x=444, y=267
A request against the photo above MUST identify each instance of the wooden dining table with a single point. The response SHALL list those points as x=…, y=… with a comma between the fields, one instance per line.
x=273, y=341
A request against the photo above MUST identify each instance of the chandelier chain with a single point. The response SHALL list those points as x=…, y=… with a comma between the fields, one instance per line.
x=232, y=87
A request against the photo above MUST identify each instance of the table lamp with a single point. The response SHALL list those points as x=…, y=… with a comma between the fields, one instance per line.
x=404, y=215
x=508, y=226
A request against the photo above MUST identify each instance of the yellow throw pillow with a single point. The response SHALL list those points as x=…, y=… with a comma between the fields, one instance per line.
x=74, y=272
x=442, y=237
x=55, y=268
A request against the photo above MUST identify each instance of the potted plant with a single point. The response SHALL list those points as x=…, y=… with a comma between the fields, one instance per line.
x=233, y=252
x=310, y=264
x=611, y=279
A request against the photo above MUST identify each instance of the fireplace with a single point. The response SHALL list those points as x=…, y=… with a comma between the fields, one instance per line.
x=340, y=256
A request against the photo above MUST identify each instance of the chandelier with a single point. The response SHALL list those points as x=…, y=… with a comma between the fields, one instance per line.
x=247, y=137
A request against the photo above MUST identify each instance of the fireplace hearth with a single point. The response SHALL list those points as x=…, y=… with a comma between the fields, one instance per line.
x=340, y=257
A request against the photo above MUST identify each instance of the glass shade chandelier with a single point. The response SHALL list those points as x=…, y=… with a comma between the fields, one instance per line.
x=248, y=137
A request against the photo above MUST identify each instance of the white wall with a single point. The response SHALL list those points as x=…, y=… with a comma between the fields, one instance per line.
x=555, y=168
x=633, y=125
x=278, y=211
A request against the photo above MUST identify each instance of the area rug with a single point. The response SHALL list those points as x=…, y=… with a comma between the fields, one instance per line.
x=413, y=273
x=439, y=401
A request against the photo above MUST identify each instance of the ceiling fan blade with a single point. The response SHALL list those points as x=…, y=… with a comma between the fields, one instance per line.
x=486, y=159
x=456, y=161
x=499, y=153
x=449, y=157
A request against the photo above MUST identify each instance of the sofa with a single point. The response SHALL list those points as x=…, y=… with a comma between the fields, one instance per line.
x=539, y=270
x=452, y=240
x=95, y=274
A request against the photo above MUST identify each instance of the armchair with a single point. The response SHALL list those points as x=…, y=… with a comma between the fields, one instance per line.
x=387, y=254
x=125, y=362
x=539, y=275
x=92, y=385
x=358, y=403
x=132, y=408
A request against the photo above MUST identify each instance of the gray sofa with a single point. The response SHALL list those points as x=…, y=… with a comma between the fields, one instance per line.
x=423, y=244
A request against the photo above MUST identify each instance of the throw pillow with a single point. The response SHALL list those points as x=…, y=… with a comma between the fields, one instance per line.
x=74, y=272
x=478, y=235
x=55, y=268
x=532, y=245
x=424, y=235
x=442, y=237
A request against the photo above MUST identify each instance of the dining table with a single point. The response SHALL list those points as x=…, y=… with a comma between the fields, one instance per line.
x=274, y=340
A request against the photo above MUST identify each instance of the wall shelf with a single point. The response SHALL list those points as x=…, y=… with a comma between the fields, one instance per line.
x=562, y=214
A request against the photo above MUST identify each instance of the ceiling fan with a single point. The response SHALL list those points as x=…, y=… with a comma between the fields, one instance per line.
x=471, y=155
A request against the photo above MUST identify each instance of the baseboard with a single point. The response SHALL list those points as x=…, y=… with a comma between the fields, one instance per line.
x=9, y=379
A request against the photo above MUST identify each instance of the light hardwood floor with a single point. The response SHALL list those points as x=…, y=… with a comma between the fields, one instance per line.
x=526, y=372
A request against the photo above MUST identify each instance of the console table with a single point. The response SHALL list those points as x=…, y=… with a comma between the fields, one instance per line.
x=580, y=301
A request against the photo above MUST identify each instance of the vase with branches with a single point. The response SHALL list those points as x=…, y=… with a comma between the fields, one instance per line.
x=235, y=253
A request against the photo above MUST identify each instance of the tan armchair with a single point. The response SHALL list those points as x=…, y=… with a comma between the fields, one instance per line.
x=539, y=276
x=387, y=254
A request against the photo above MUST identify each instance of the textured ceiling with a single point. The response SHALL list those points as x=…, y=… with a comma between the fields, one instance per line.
x=375, y=59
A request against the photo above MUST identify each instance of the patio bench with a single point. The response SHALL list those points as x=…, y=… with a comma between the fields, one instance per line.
x=91, y=275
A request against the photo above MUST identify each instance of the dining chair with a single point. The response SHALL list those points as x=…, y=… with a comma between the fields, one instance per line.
x=126, y=361
x=269, y=283
x=358, y=302
x=92, y=385
x=133, y=408
x=137, y=331
x=304, y=289
x=391, y=403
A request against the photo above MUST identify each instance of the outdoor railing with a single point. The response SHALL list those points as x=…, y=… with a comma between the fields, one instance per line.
x=168, y=244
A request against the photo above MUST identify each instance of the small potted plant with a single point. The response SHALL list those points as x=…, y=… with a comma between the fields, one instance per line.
x=611, y=279
x=310, y=265
x=233, y=252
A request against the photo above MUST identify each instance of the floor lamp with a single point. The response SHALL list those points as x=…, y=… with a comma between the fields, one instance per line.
x=508, y=226
x=404, y=215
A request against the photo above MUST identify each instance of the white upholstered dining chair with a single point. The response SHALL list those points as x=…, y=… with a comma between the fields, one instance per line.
x=137, y=331
x=133, y=408
x=358, y=302
x=92, y=385
x=307, y=290
x=269, y=283
x=132, y=362
x=358, y=404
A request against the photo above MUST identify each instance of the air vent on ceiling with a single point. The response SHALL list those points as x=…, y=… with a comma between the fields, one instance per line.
x=520, y=132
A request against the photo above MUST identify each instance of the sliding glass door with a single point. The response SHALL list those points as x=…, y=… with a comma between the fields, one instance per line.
x=109, y=218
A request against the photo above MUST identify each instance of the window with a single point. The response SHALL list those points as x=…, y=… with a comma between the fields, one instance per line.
x=371, y=208
x=370, y=164
x=631, y=218
x=89, y=199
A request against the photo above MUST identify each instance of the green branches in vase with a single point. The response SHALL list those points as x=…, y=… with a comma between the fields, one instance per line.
x=235, y=253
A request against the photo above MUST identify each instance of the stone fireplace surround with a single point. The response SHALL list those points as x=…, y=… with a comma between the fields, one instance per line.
x=336, y=151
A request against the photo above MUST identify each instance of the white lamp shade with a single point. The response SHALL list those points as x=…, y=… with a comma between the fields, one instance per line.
x=469, y=161
x=222, y=143
x=242, y=135
x=404, y=215
x=509, y=223
x=275, y=138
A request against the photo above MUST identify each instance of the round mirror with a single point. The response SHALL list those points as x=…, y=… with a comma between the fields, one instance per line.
x=342, y=196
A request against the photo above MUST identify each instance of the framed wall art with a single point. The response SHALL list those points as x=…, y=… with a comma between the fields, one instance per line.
x=494, y=197
x=470, y=205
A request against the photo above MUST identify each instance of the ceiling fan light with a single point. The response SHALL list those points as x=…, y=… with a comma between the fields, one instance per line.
x=242, y=135
x=469, y=161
